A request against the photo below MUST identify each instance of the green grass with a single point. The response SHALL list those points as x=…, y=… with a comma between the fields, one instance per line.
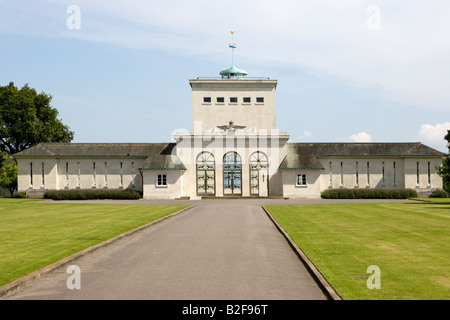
x=410, y=242
x=34, y=235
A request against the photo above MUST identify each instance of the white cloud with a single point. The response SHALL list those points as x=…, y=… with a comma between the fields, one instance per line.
x=433, y=135
x=303, y=136
x=405, y=60
x=361, y=137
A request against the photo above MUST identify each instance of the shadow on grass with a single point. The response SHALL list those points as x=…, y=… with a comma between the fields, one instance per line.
x=439, y=201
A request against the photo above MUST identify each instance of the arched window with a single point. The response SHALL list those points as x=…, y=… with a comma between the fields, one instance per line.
x=258, y=160
x=206, y=174
x=232, y=174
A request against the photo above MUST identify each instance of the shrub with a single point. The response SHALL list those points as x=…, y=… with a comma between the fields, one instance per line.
x=369, y=194
x=21, y=194
x=91, y=194
x=439, y=193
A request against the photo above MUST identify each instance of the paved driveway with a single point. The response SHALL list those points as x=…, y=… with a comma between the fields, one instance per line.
x=219, y=249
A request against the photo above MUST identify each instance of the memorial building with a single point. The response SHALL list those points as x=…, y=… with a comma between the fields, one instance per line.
x=234, y=150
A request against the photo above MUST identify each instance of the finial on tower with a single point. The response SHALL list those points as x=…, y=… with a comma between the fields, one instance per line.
x=232, y=45
x=233, y=72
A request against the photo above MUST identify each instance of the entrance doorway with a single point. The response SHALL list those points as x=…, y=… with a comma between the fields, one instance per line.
x=206, y=182
x=259, y=166
x=232, y=174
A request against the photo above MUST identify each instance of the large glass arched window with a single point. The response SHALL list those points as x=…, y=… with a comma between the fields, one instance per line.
x=259, y=165
x=206, y=183
x=232, y=174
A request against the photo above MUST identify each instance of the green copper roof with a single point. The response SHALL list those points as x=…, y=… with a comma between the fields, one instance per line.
x=233, y=71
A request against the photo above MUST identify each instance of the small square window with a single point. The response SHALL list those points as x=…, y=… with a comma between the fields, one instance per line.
x=233, y=100
x=260, y=100
x=247, y=100
x=301, y=180
x=161, y=180
x=220, y=99
x=206, y=99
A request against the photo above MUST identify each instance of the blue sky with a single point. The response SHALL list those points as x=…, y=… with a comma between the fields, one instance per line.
x=347, y=70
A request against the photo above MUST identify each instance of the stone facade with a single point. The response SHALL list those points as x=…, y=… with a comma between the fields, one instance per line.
x=87, y=173
x=250, y=103
x=369, y=172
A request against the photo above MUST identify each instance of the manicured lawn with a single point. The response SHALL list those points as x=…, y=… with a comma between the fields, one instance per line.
x=409, y=242
x=34, y=235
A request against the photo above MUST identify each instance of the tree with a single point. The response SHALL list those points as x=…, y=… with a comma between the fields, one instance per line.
x=8, y=173
x=444, y=170
x=27, y=118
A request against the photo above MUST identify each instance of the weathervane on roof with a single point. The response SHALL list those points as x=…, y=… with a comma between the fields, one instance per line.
x=233, y=72
x=232, y=45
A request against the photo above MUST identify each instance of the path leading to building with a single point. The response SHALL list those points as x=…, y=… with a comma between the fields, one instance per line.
x=219, y=249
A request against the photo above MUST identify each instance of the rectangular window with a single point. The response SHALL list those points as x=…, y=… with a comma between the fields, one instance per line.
x=301, y=180
x=206, y=99
x=331, y=176
x=382, y=172
x=395, y=173
x=368, y=174
x=93, y=174
x=342, y=173
x=247, y=100
x=357, y=174
x=233, y=100
x=43, y=174
x=31, y=173
x=106, y=174
x=67, y=174
x=260, y=100
x=417, y=172
x=161, y=180
x=78, y=175
x=121, y=174
x=220, y=99
x=429, y=173
x=132, y=173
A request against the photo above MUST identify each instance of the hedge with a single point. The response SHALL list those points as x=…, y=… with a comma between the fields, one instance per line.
x=439, y=193
x=90, y=194
x=369, y=194
x=21, y=194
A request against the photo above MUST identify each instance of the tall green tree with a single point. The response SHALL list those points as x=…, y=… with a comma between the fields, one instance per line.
x=444, y=170
x=27, y=118
x=8, y=173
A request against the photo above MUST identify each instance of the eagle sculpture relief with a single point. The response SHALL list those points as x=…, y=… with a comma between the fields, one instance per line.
x=231, y=126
